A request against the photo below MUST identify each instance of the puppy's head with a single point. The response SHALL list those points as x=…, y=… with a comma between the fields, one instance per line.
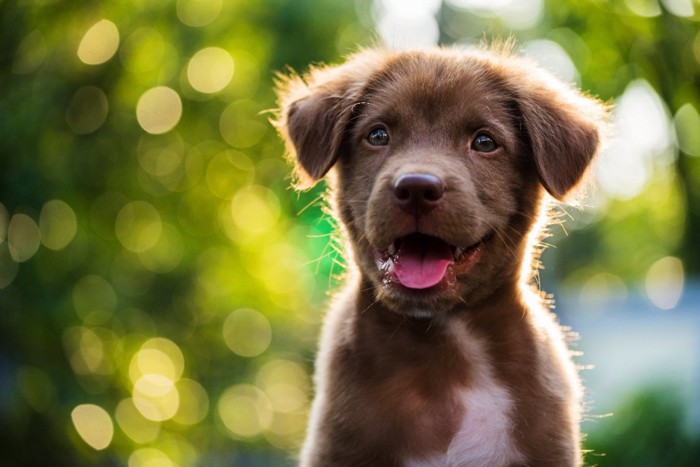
x=441, y=158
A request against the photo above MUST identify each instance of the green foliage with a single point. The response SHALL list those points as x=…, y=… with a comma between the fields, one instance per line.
x=650, y=429
x=152, y=262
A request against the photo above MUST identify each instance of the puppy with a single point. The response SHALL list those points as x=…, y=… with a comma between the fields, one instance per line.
x=439, y=352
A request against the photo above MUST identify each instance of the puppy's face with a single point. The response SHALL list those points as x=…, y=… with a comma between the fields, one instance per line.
x=431, y=179
x=441, y=160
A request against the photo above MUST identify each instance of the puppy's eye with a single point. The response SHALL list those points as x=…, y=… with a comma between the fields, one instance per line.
x=484, y=143
x=378, y=137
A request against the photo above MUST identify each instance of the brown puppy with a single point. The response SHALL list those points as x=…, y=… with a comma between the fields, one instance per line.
x=439, y=352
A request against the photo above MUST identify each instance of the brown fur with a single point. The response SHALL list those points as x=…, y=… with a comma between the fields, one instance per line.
x=399, y=370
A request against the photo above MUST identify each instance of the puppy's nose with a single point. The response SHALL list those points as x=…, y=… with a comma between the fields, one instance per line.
x=418, y=193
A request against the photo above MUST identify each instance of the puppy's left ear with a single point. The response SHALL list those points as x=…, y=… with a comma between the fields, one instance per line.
x=565, y=129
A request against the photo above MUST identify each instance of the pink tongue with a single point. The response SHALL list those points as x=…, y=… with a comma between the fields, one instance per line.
x=422, y=261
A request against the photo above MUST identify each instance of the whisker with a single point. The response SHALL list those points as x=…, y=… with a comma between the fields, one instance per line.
x=318, y=200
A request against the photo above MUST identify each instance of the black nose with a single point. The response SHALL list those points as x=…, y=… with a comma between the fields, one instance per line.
x=418, y=193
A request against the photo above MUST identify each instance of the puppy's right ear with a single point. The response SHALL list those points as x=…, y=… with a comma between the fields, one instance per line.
x=314, y=114
x=312, y=120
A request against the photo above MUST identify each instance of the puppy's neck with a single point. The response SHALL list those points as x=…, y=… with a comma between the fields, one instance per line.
x=498, y=304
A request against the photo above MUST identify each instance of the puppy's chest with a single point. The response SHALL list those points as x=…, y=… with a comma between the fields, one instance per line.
x=484, y=431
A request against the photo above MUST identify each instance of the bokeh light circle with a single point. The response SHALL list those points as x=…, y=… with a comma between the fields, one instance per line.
x=145, y=51
x=194, y=402
x=158, y=356
x=198, y=13
x=93, y=424
x=23, y=237
x=138, y=226
x=150, y=457
x=158, y=110
x=227, y=172
x=99, y=43
x=245, y=411
x=58, y=224
x=31, y=53
x=210, y=70
x=133, y=424
x=664, y=282
x=255, y=209
x=87, y=110
x=156, y=397
x=247, y=332
x=8, y=266
x=167, y=252
x=286, y=384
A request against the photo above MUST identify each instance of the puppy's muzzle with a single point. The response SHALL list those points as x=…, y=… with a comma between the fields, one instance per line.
x=418, y=193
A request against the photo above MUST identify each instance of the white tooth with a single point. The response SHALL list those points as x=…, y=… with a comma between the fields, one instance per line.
x=458, y=252
x=392, y=248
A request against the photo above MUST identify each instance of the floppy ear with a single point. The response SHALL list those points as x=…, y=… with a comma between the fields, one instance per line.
x=315, y=112
x=314, y=131
x=565, y=129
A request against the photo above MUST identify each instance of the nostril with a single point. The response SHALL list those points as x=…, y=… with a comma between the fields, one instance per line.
x=432, y=194
x=402, y=193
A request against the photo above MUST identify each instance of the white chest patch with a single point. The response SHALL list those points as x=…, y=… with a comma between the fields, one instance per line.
x=484, y=437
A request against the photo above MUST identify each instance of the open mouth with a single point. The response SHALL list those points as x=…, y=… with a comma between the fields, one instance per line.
x=419, y=261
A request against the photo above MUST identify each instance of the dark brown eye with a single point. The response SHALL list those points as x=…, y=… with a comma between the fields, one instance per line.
x=484, y=143
x=378, y=137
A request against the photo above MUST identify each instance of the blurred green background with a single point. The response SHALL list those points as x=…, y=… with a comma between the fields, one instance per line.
x=161, y=285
